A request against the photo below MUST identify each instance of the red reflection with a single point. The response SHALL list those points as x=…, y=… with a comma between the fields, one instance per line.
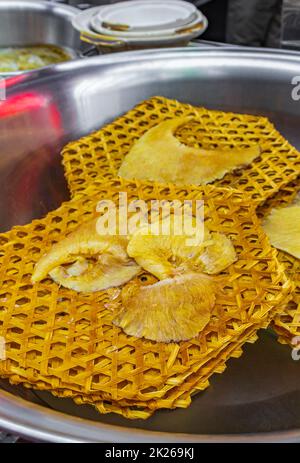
x=31, y=132
x=30, y=101
x=13, y=80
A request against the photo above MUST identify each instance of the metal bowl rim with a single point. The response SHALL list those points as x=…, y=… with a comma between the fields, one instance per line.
x=127, y=57
x=17, y=422
x=40, y=5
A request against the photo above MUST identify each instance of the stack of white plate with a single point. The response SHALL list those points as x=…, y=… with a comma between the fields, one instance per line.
x=141, y=24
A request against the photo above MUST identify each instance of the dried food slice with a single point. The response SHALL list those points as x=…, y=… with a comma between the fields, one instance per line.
x=175, y=309
x=159, y=156
x=168, y=255
x=283, y=229
x=87, y=261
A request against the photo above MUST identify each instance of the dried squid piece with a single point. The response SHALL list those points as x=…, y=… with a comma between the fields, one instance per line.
x=159, y=156
x=86, y=261
x=168, y=255
x=282, y=227
x=172, y=310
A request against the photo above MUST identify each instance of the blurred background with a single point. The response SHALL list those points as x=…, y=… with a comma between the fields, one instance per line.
x=260, y=23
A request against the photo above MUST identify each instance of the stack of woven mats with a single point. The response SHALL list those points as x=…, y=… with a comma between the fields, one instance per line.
x=65, y=342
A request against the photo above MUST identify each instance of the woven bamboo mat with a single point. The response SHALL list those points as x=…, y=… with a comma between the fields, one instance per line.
x=96, y=158
x=287, y=324
x=65, y=342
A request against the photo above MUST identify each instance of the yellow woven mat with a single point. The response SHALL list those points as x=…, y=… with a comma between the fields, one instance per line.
x=97, y=157
x=287, y=324
x=61, y=340
x=179, y=396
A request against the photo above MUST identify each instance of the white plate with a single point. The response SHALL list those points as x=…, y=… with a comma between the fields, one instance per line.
x=166, y=40
x=81, y=22
x=98, y=26
x=148, y=15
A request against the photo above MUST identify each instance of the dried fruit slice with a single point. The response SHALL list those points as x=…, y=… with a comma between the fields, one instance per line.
x=168, y=255
x=159, y=156
x=172, y=310
x=283, y=229
x=219, y=253
x=86, y=261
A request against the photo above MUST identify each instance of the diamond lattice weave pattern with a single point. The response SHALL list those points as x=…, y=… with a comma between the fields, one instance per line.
x=178, y=397
x=65, y=342
x=287, y=324
x=181, y=396
x=97, y=157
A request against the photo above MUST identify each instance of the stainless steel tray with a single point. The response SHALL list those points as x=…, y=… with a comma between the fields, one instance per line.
x=258, y=396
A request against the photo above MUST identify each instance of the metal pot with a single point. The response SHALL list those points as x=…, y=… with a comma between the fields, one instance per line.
x=28, y=22
x=248, y=402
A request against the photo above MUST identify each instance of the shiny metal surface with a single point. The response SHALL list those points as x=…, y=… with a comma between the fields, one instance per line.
x=258, y=397
x=29, y=22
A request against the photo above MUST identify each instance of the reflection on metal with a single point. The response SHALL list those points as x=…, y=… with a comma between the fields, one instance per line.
x=2, y=89
x=18, y=166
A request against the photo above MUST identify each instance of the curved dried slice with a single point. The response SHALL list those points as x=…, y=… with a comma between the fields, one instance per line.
x=218, y=254
x=282, y=227
x=168, y=255
x=172, y=310
x=159, y=156
x=87, y=261
x=107, y=272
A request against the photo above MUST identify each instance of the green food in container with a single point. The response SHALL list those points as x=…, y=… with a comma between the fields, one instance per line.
x=15, y=59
